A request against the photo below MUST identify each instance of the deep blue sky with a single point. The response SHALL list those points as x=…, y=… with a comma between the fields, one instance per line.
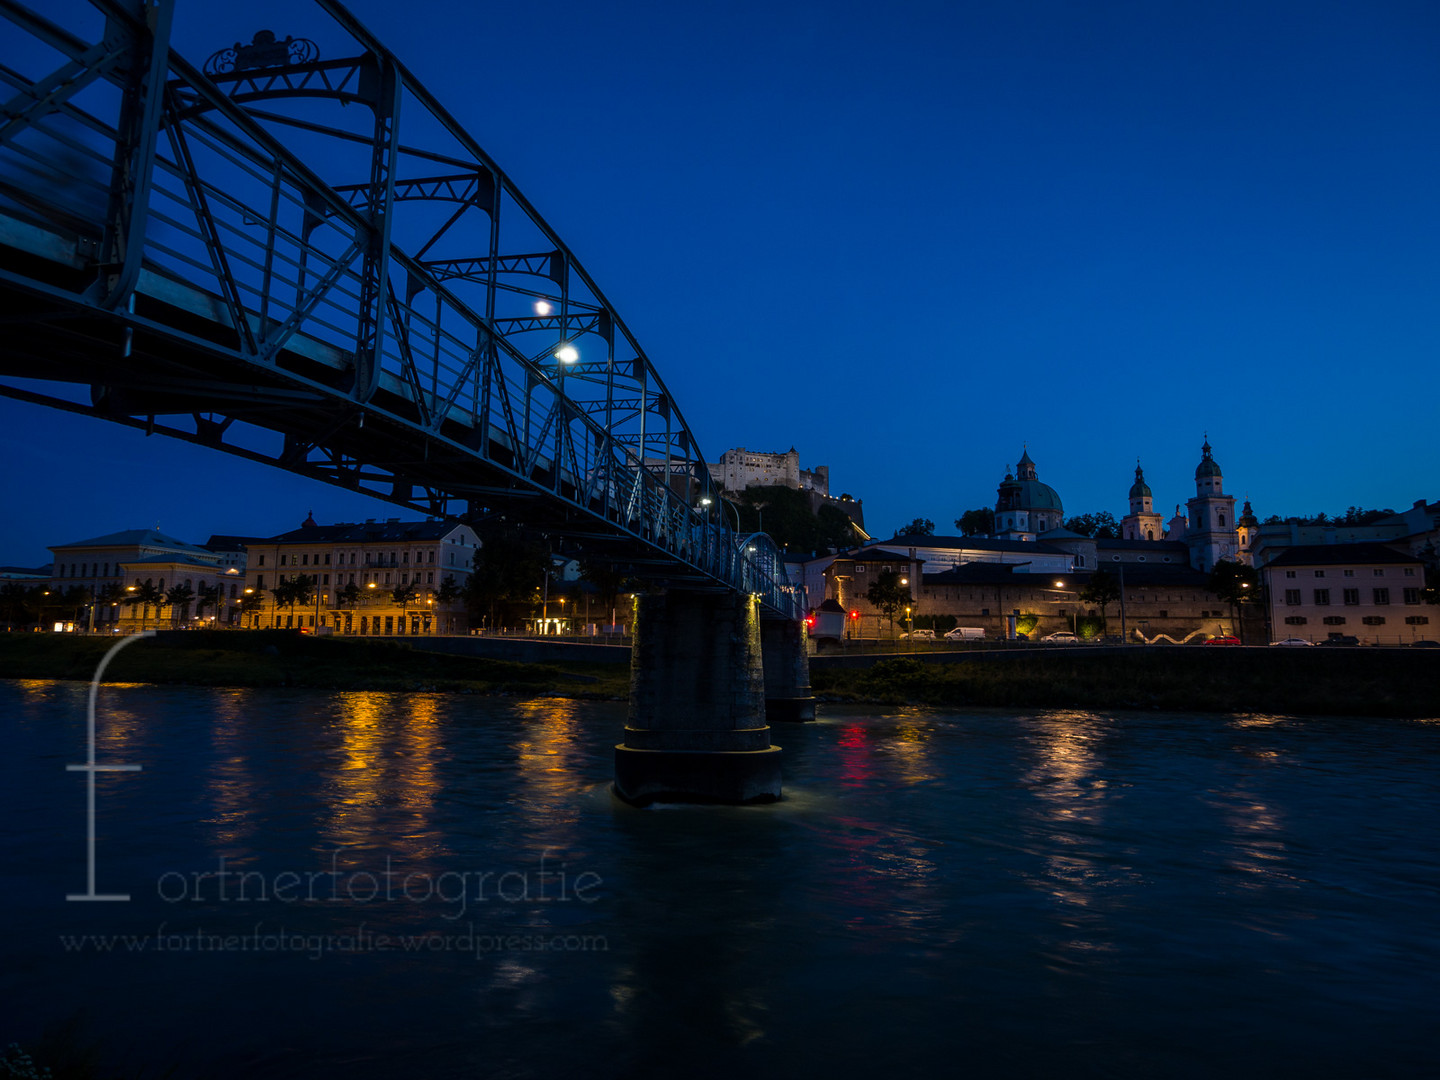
x=910, y=239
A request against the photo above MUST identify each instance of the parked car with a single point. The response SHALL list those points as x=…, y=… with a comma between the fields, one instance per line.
x=1425, y=643
x=965, y=633
x=1061, y=637
x=1294, y=642
x=1224, y=639
x=918, y=635
x=1340, y=641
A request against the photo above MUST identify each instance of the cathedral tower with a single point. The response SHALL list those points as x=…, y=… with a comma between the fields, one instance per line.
x=1210, y=531
x=1142, y=523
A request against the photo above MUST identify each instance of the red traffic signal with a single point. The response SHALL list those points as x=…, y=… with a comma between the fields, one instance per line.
x=855, y=614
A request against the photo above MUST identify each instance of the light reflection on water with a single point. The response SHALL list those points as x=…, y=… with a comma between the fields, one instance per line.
x=1026, y=893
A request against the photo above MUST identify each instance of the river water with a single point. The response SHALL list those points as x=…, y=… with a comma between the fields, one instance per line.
x=376, y=885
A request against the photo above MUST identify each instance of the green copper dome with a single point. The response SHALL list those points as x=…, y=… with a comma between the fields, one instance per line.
x=1208, y=465
x=1139, y=489
x=1025, y=491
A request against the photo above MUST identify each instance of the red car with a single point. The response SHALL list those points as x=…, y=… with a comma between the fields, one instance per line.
x=1226, y=640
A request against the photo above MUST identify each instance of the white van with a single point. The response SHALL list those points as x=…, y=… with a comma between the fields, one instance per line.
x=965, y=633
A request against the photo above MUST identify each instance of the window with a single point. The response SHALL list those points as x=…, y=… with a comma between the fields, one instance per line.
x=1374, y=620
x=326, y=581
x=1163, y=614
x=260, y=560
x=1334, y=620
x=1382, y=596
x=1412, y=596
x=431, y=559
x=1292, y=596
x=1409, y=571
x=327, y=558
x=1295, y=620
x=1417, y=620
x=1352, y=597
x=1289, y=573
x=1322, y=597
x=860, y=568
x=259, y=581
x=1378, y=572
x=1319, y=573
x=430, y=578
x=1349, y=573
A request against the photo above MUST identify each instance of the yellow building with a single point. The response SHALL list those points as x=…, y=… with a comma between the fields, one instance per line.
x=355, y=570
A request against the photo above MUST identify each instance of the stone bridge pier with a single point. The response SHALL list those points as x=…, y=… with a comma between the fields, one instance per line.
x=697, y=730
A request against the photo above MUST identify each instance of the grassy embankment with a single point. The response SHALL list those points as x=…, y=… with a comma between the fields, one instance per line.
x=1358, y=682
x=1348, y=682
x=264, y=658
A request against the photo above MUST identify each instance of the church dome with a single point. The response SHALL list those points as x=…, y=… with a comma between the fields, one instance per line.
x=1025, y=491
x=1139, y=489
x=1208, y=466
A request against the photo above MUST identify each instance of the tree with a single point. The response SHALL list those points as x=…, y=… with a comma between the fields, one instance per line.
x=977, y=522
x=1103, y=590
x=145, y=595
x=510, y=565
x=919, y=527
x=208, y=596
x=404, y=594
x=1236, y=584
x=179, y=597
x=17, y=605
x=887, y=595
x=109, y=595
x=837, y=531
x=348, y=596
x=252, y=603
x=294, y=591
x=1100, y=526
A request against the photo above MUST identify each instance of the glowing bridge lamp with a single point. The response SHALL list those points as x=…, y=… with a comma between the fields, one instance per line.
x=567, y=353
x=543, y=307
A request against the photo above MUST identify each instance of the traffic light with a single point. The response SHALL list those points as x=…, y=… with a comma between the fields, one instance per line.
x=855, y=614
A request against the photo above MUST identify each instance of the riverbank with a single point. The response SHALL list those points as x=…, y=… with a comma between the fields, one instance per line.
x=1349, y=682
x=1311, y=682
x=261, y=658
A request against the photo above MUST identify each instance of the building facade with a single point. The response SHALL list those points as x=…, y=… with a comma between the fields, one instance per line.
x=107, y=567
x=375, y=558
x=1368, y=591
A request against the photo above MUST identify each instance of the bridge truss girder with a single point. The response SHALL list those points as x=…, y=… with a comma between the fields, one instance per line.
x=372, y=305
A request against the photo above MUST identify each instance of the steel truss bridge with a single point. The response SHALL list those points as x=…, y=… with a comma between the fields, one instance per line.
x=306, y=261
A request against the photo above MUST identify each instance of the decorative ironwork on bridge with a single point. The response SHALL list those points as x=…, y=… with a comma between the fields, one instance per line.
x=213, y=254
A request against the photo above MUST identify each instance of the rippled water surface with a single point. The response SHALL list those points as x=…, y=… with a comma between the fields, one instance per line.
x=436, y=885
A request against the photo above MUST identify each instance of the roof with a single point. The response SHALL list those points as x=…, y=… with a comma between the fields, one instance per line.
x=872, y=554
x=1160, y=547
x=1340, y=555
x=220, y=542
x=1136, y=575
x=177, y=560
x=130, y=538
x=975, y=543
x=1063, y=533
x=365, y=532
